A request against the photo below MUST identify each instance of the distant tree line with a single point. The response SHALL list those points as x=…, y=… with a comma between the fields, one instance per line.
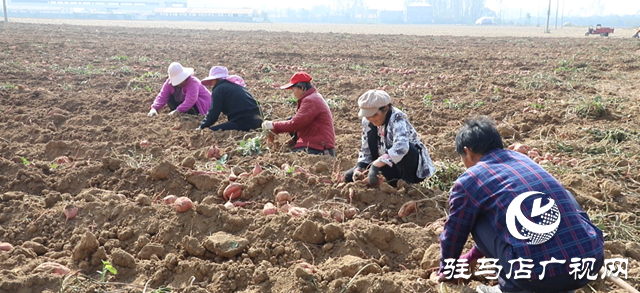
x=455, y=11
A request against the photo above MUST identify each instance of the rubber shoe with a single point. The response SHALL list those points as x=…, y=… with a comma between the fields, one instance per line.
x=488, y=289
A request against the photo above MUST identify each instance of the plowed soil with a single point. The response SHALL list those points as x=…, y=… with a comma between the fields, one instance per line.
x=73, y=104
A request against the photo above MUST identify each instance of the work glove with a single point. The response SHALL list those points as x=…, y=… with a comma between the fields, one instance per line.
x=199, y=128
x=152, y=112
x=174, y=112
x=373, y=176
x=267, y=125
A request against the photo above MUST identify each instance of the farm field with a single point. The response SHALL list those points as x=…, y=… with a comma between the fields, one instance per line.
x=73, y=104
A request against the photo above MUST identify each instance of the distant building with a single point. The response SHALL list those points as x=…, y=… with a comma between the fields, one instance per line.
x=105, y=5
x=209, y=14
x=419, y=13
x=389, y=16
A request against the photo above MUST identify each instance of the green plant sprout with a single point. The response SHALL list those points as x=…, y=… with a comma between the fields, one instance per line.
x=25, y=161
x=427, y=100
x=106, y=268
x=220, y=163
x=290, y=170
x=250, y=146
x=119, y=58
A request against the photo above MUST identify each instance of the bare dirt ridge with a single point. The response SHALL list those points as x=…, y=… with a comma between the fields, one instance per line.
x=73, y=103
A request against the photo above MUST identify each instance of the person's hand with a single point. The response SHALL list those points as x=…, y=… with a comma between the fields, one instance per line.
x=378, y=163
x=267, y=125
x=152, y=112
x=271, y=138
x=373, y=176
x=174, y=112
x=437, y=278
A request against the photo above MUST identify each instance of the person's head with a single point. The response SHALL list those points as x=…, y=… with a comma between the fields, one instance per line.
x=300, y=83
x=178, y=74
x=216, y=73
x=477, y=137
x=374, y=105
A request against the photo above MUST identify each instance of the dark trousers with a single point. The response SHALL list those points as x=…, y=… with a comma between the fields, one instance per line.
x=405, y=169
x=173, y=104
x=492, y=246
x=243, y=124
x=330, y=152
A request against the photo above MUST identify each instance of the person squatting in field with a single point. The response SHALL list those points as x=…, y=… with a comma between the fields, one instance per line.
x=182, y=92
x=230, y=97
x=390, y=144
x=480, y=204
x=312, y=125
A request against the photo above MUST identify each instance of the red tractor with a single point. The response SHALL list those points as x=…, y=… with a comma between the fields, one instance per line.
x=599, y=30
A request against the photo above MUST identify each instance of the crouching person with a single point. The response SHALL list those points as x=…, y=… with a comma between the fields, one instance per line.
x=519, y=215
x=230, y=97
x=182, y=92
x=312, y=126
x=390, y=144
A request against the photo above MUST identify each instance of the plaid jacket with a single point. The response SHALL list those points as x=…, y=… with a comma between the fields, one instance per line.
x=491, y=185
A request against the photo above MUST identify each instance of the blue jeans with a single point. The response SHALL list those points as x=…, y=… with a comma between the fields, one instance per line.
x=492, y=246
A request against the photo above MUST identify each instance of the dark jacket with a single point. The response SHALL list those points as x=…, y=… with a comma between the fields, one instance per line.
x=233, y=101
x=312, y=122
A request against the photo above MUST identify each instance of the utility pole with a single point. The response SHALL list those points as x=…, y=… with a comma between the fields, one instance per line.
x=4, y=9
x=562, y=16
x=548, y=16
x=557, y=8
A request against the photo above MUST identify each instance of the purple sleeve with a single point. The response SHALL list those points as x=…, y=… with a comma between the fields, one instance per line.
x=190, y=90
x=163, y=96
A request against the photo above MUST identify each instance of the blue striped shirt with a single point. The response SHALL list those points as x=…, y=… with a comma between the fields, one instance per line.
x=488, y=188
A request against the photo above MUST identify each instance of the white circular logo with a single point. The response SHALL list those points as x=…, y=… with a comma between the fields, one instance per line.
x=547, y=223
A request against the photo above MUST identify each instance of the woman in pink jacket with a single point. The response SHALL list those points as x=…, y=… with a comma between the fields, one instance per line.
x=312, y=123
x=182, y=92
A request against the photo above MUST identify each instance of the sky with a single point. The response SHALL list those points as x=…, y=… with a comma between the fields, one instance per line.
x=512, y=7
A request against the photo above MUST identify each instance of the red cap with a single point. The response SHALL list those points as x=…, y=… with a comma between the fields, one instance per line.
x=300, y=76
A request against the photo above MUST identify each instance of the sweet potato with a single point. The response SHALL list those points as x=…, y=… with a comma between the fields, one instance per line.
x=52, y=267
x=232, y=191
x=183, y=204
x=70, y=211
x=256, y=169
x=518, y=147
x=350, y=212
x=62, y=160
x=269, y=209
x=407, y=208
x=283, y=197
x=144, y=143
x=296, y=211
x=213, y=152
x=337, y=215
x=169, y=199
x=4, y=246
